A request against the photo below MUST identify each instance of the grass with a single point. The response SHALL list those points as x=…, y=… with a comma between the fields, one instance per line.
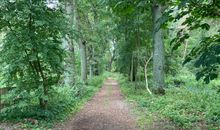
x=181, y=107
x=66, y=102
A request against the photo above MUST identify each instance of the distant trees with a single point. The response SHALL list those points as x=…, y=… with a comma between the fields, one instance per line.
x=139, y=21
x=84, y=21
x=91, y=37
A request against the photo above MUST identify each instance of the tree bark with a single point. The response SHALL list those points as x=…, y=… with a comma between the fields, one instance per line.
x=82, y=45
x=138, y=43
x=91, y=70
x=69, y=42
x=158, y=56
x=91, y=65
x=132, y=68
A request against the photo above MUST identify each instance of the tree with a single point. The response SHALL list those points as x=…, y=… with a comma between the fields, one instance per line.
x=82, y=43
x=159, y=51
x=205, y=55
x=92, y=47
x=70, y=69
x=32, y=52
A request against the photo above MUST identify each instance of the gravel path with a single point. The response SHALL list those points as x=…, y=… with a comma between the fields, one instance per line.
x=106, y=111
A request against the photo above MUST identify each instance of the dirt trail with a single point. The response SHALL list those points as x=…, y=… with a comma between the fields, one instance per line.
x=106, y=111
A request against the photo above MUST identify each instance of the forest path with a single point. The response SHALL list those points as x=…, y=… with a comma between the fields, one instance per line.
x=106, y=111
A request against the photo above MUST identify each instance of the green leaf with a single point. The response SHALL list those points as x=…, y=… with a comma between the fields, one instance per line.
x=205, y=26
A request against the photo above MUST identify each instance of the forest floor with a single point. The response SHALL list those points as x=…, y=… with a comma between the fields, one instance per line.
x=107, y=110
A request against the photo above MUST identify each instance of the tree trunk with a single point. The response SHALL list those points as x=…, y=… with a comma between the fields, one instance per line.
x=158, y=56
x=91, y=70
x=43, y=102
x=91, y=64
x=82, y=45
x=95, y=20
x=82, y=48
x=68, y=42
x=132, y=69
x=138, y=43
x=111, y=62
x=145, y=75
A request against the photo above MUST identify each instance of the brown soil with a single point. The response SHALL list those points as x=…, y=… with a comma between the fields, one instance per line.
x=106, y=111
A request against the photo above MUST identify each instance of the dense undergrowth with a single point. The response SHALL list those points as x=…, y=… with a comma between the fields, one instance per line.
x=187, y=106
x=63, y=102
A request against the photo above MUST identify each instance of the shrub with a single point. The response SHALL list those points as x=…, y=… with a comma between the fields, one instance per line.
x=188, y=107
x=62, y=100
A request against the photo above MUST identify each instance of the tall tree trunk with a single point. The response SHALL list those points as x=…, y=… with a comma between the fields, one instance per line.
x=95, y=20
x=132, y=68
x=158, y=56
x=69, y=43
x=82, y=45
x=91, y=65
x=91, y=70
x=138, y=43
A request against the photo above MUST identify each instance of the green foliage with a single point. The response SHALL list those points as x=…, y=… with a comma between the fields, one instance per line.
x=133, y=21
x=63, y=101
x=117, y=32
x=196, y=16
x=31, y=54
x=191, y=107
x=208, y=58
x=188, y=107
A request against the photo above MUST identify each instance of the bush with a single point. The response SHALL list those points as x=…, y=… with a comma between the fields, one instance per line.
x=188, y=107
x=62, y=101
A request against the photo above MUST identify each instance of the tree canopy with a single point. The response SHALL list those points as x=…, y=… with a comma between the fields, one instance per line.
x=55, y=54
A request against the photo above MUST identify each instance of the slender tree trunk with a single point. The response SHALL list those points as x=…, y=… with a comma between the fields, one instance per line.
x=145, y=74
x=91, y=70
x=138, y=42
x=91, y=64
x=132, y=69
x=43, y=102
x=158, y=56
x=82, y=45
x=111, y=61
